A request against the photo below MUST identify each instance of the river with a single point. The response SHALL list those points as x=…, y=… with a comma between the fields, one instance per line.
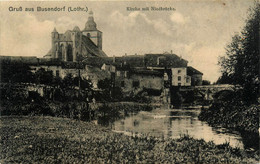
x=173, y=123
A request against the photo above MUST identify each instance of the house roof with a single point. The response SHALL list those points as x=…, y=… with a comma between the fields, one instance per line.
x=192, y=71
x=164, y=60
x=146, y=72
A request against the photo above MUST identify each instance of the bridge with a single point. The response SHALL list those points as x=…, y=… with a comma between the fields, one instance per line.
x=208, y=92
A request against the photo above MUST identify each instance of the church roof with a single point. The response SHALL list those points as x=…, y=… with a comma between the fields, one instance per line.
x=76, y=28
x=92, y=48
x=54, y=30
x=49, y=54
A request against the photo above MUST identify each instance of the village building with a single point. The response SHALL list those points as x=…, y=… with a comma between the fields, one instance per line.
x=79, y=53
x=180, y=77
x=137, y=80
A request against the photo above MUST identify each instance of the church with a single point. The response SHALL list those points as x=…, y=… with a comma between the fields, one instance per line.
x=75, y=43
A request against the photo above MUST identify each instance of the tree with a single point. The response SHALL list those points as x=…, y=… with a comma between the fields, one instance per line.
x=240, y=66
x=15, y=72
x=105, y=84
x=205, y=82
x=224, y=79
x=67, y=82
x=43, y=77
x=84, y=83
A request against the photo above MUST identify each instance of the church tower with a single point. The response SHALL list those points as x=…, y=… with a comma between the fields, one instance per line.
x=92, y=32
x=54, y=39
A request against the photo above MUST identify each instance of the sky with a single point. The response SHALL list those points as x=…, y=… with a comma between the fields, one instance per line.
x=198, y=31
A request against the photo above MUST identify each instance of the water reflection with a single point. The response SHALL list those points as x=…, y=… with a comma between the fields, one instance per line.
x=174, y=123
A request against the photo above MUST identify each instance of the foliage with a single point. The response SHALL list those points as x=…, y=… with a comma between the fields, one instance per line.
x=15, y=72
x=61, y=140
x=105, y=84
x=205, y=82
x=67, y=82
x=240, y=66
x=241, y=63
x=232, y=114
x=109, y=91
x=84, y=83
x=43, y=77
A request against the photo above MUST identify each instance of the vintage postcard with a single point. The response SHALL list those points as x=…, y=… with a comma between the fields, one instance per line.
x=129, y=81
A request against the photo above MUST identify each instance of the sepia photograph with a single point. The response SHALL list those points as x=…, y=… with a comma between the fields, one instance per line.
x=130, y=81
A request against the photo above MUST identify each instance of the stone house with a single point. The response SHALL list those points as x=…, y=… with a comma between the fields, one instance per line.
x=180, y=77
x=136, y=80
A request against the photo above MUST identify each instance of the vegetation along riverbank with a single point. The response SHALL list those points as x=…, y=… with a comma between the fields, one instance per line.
x=62, y=140
x=240, y=67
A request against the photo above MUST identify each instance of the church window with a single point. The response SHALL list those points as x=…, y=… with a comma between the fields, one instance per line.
x=60, y=52
x=69, y=53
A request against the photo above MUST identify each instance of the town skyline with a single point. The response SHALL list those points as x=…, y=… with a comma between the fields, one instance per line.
x=198, y=32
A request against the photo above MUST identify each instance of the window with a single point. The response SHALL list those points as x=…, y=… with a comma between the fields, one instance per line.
x=118, y=73
x=179, y=71
x=179, y=84
x=126, y=74
x=122, y=83
x=57, y=73
x=179, y=78
x=187, y=80
x=136, y=84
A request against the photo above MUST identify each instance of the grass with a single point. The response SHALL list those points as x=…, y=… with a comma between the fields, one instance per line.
x=45, y=139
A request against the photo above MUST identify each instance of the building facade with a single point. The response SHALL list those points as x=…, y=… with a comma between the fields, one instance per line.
x=180, y=77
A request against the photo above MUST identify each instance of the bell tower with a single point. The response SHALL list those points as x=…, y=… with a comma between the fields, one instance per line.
x=92, y=32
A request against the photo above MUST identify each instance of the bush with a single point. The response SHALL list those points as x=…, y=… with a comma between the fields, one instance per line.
x=232, y=114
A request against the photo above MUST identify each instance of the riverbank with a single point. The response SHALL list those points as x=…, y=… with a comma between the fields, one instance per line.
x=62, y=140
x=240, y=117
x=80, y=110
